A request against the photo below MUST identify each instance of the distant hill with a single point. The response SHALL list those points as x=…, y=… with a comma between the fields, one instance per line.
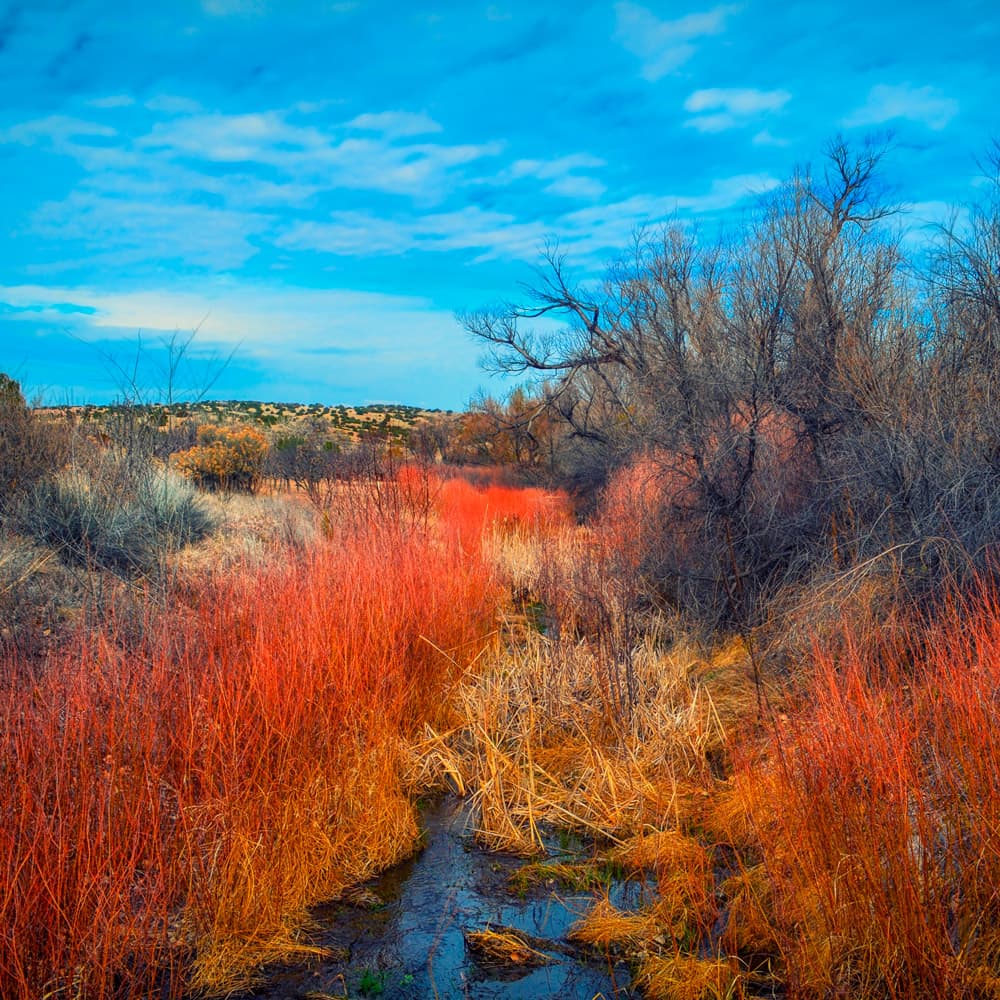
x=352, y=421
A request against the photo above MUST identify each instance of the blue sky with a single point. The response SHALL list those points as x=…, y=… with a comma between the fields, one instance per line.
x=321, y=185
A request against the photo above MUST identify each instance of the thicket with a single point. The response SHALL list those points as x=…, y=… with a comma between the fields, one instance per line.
x=225, y=458
x=815, y=394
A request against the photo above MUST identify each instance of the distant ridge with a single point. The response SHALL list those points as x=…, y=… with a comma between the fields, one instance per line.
x=394, y=419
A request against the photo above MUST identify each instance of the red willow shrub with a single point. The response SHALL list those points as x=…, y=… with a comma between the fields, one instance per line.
x=181, y=785
x=882, y=840
x=736, y=510
x=467, y=510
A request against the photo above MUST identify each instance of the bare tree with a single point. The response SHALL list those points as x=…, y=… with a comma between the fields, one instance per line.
x=757, y=374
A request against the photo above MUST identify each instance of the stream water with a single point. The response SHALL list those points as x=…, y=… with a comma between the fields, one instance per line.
x=404, y=935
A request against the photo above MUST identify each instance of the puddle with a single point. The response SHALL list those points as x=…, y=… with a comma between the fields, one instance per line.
x=405, y=939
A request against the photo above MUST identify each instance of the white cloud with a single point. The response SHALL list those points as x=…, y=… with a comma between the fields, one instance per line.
x=410, y=343
x=926, y=105
x=664, y=46
x=561, y=173
x=469, y=228
x=731, y=107
x=305, y=152
x=765, y=138
x=121, y=231
x=243, y=312
x=576, y=187
x=598, y=229
x=212, y=190
x=736, y=101
x=395, y=123
x=62, y=132
x=721, y=122
x=553, y=169
x=183, y=145
x=586, y=232
x=112, y=101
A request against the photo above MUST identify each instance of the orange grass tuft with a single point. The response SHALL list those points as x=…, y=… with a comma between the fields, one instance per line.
x=685, y=977
x=607, y=929
x=469, y=510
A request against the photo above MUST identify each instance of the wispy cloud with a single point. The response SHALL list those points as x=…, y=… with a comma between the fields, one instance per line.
x=382, y=161
x=123, y=228
x=112, y=101
x=409, y=342
x=588, y=233
x=719, y=109
x=229, y=311
x=62, y=133
x=205, y=188
x=366, y=234
x=562, y=175
x=926, y=105
x=664, y=46
x=596, y=230
x=395, y=123
x=766, y=138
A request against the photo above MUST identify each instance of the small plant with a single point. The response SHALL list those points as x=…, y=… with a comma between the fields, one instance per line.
x=372, y=983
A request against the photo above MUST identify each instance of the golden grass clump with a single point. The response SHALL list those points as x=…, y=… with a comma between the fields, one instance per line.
x=685, y=977
x=503, y=947
x=605, y=928
x=743, y=809
x=686, y=906
x=661, y=851
x=750, y=919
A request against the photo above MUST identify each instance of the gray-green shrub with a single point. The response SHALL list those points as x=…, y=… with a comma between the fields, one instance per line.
x=116, y=512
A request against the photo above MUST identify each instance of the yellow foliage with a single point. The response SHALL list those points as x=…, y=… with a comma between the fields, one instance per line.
x=225, y=458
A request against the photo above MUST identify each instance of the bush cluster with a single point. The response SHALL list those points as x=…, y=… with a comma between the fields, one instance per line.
x=225, y=458
x=114, y=513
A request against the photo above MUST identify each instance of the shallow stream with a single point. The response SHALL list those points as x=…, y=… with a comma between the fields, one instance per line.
x=403, y=935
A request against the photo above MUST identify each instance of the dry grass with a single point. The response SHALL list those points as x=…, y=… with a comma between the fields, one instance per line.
x=535, y=735
x=609, y=930
x=504, y=947
x=187, y=779
x=685, y=977
x=874, y=812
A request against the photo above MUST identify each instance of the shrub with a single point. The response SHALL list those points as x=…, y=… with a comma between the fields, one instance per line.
x=30, y=446
x=228, y=458
x=116, y=513
x=179, y=796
